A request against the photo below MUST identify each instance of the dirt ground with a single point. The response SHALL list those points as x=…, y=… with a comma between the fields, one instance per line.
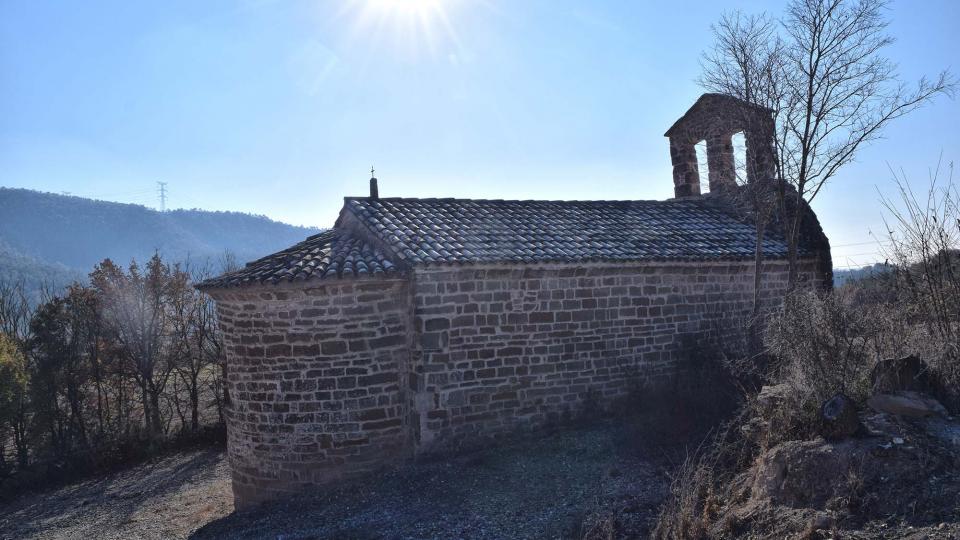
x=170, y=497
x=548, y=485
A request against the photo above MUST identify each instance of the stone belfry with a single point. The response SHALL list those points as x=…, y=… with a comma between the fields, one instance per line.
x=716, y=118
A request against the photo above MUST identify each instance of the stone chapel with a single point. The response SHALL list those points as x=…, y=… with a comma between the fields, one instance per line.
x=415, y=325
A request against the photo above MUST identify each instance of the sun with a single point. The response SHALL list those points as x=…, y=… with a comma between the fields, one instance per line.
x=417, y=8
x=409, y=27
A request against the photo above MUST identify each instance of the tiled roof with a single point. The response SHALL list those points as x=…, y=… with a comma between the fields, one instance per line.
x=462, y=231
x=438, y=231
x=332, y=253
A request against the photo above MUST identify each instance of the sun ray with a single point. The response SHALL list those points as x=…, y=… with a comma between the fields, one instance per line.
x=409, y=27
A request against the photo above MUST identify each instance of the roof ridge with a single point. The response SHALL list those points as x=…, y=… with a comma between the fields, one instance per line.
x=570, y=201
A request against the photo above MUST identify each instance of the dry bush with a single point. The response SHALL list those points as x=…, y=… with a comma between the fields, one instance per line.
x=923, y=249
x=720, y=369
x=819, y=344
x=700, y=486
x=825, y=344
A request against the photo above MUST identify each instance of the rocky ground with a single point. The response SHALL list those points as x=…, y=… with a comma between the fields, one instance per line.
x=888, y=470
x=548, y=485
x=897, y=478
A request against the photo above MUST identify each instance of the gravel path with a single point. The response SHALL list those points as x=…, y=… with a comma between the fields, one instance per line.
x=552, y=485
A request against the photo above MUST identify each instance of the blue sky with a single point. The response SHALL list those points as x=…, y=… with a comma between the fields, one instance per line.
x=280, y=108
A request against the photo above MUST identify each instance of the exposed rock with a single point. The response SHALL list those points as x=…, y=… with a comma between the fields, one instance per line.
x=907, y=403
x=907, y=373
x=803, y=473
x=771, y=397
x=839, y=418
x=878, y=424
x=821, y=521
x=901, y=477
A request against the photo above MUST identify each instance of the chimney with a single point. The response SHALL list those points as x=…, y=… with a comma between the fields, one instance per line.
x=716, y=118
x=374, y=192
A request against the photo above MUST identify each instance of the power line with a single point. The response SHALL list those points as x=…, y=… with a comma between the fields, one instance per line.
x=163, y=196
x=861, y=254
x=873, y=242
x=854, y=266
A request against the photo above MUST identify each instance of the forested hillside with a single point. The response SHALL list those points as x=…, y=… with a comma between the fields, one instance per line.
x=842, y=276
x=53, y=239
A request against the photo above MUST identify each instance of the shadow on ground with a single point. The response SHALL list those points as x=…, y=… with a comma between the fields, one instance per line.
x=547, y=484
x=164, y=498
x=542, y=487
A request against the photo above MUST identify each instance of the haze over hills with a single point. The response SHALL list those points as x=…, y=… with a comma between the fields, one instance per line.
x=54, y=239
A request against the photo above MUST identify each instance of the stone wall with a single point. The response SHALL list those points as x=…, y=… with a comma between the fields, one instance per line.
x=313, y=375
x=334, y=379
x=500, y=348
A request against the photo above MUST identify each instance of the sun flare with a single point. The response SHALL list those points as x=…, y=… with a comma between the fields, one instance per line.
x=409, y=26
x=415, y=7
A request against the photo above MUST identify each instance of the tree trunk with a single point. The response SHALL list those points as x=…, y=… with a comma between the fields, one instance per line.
x=792, y=252
x=156, y=424
x=77, y=424
x=147, y=411
x=194, y=407
x=755, y=327
x=20, y=436
x=758, y=267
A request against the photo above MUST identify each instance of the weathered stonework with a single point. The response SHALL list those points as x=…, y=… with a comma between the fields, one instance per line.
x=314, y=378
x=337, y=380
x=715, y=118
x=502, y=347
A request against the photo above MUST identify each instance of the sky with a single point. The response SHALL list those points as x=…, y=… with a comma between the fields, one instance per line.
x=281, y=108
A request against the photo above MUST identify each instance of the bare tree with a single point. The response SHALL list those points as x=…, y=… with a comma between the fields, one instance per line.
x=15, y=311
x=923, y=249
x=196, y=347
x=135, y=305
x=746, y=53
x=13, y=401
x=822, y=72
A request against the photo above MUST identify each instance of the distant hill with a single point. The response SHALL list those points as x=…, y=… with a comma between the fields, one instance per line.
x=55, y=239
x=843, y=276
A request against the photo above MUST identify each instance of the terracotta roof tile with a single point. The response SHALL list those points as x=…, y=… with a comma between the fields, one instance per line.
x=443, y=231
x=463, y=231
x=331, y=254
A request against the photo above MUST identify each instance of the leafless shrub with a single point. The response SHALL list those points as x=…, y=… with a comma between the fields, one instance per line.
x=824, y=345
x=924, y=252
x=716, y=372
x=820, y=344
x=700, y=486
